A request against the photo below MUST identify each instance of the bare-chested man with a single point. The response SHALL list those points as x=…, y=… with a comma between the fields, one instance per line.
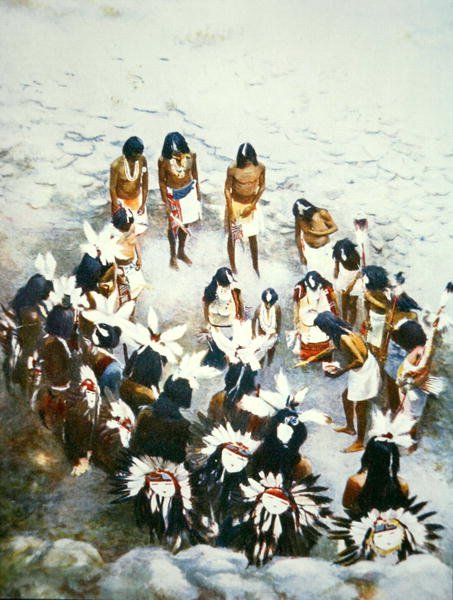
x=313, y=227
x=363, y=375
x=180, y=192
x=129, y=182
x=244, y=187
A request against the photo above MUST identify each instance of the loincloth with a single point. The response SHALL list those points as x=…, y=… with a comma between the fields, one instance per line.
x=320, y=260
x=364, y=383
x=250, y=225
x=185, y=208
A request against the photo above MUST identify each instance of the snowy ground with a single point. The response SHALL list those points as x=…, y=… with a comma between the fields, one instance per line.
x=346, y=103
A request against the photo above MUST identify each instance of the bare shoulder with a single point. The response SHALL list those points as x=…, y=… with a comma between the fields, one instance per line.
x=404, y=486
x=324, y=212
x=261, y=167
x=116, y=163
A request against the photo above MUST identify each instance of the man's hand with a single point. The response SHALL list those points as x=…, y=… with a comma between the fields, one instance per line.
x=141, y=210
x=247, y=211
x=138, y=264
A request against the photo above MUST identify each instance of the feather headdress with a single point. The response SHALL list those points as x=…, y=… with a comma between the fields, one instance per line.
x=102, y=245
x=66, y=293
x=162, y=342
x=243, y=347
x=388, y=428
x=190, y=368
x=280, y=519
x=46, y=265
x=267, y=403
x=162, y=495
x=105, y=311
x=395, y=532
x=122, y=419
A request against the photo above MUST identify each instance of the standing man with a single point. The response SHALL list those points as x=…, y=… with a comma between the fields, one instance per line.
x=313, y=228
x=180, y=192
x=244, y=187
x=129, y=182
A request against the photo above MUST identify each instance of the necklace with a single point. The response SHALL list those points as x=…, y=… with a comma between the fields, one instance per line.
x=127, y=170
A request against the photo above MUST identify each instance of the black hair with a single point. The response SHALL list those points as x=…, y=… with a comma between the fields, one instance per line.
x=409, y=335
x=174, y=142
x=32, y=293
x=332, y=326
x=133, y=145
x=89, y=272
x=317, y=278
x=269, y=293
x=144, y=367
x=223, y=277
x=272, y=455
x=60, y=322
x=405, y=303
x=122, y=217
x=178, y=391
x=382, y=489
x=246, y=153
x=303, y=209
x=239, y=380
x=348, y=248
x=108, y=336
x=377, y=277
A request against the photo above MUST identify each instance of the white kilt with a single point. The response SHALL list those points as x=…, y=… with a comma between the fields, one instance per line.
x=364, y=383
x=375, y=334
x=320, y=260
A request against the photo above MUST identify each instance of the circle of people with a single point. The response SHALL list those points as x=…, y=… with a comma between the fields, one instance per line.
x=235, y=476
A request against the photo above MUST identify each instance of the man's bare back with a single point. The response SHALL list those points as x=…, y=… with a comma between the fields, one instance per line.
x=312, y=231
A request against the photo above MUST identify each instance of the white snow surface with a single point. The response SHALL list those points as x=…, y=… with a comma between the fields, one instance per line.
x=347, y=103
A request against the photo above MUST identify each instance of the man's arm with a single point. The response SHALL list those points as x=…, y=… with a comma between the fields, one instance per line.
x=357, y=357
x=195, y=175
x=112, y=187
x=331, y=226
x=138, y=262
x=299, y=243
x=163, y=184
x=228, y=197
x=141, y=210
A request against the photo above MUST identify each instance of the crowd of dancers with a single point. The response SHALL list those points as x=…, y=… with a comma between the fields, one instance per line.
x=235, y=476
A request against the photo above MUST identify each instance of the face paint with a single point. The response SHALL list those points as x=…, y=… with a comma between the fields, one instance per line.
x=387, y=537
x=88, y=390
x=275, y=501
x=161, y=483
x=233, y=459
x=284, y=432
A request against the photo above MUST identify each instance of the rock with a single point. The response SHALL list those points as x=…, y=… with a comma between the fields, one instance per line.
x=77, y=563
x=43, y=569
x=413, y=578
x=308, y=579
x=144, y=573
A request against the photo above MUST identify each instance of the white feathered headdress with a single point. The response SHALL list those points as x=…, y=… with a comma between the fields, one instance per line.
x=387, y=428
x=162, y=342
x=190, y=368
x=46, y=265
x=267, y=403
x=243, y=347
